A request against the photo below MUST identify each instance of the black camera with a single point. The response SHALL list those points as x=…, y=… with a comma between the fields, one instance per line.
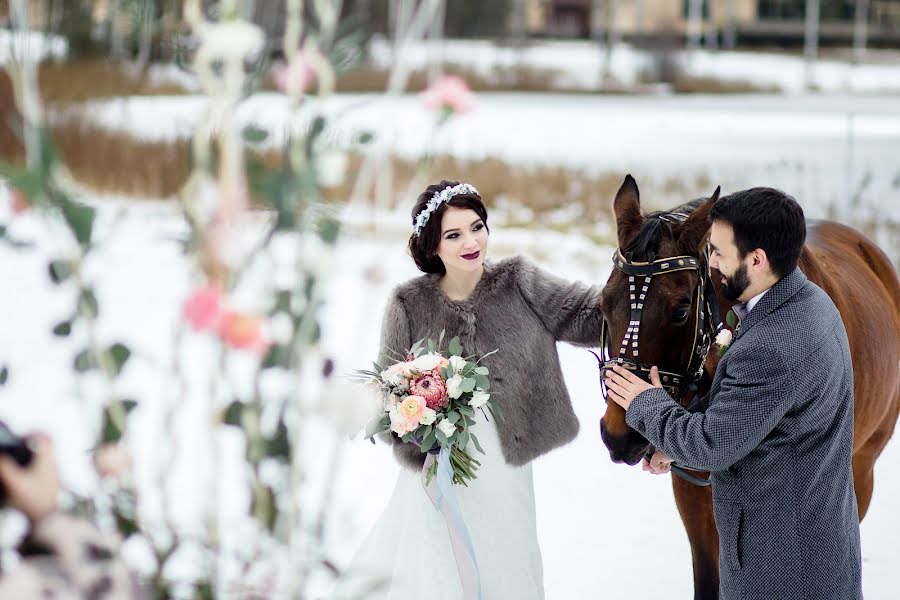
x=15, y=447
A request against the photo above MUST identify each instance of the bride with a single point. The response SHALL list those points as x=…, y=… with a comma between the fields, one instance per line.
x=521, y=311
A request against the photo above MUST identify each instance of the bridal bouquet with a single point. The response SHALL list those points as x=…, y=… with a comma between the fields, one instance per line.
x=430, y=400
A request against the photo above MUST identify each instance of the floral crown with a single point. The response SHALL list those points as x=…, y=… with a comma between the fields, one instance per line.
x=439, y=198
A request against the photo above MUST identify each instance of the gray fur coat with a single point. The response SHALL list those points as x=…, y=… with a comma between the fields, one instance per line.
x=522, y=312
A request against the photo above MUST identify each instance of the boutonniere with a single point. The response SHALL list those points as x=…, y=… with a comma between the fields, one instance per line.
x=723, y=340
x=726, y=336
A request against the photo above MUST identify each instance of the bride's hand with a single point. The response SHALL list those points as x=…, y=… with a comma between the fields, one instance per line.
x=659, y=463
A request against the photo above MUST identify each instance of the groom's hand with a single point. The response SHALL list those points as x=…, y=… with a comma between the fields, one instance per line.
x=624, y=386
x=658, y=464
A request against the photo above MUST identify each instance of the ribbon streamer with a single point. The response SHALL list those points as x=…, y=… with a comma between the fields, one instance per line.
x=443, y=496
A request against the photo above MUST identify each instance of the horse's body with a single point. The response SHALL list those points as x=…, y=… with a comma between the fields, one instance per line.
x=863, y=284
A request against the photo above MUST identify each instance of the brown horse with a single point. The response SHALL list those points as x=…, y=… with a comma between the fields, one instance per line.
x=854, y=272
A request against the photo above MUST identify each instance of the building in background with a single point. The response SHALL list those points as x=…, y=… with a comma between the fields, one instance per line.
x=714, y=22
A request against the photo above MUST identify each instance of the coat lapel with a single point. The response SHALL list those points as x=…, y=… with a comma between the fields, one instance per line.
x=777, y=295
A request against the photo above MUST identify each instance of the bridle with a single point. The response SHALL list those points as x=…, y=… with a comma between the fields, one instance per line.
x=706, y=324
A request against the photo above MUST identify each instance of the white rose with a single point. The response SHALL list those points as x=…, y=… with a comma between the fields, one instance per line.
x=428, y=416
x=724, y=337
x=426, y=362
x=453, y=386
x=458, y=363
x=479, y=399
x=394, y=374
x=447, y=427
x=399, y=424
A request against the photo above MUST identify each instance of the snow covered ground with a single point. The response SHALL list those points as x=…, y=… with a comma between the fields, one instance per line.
x=578, y=65
x=600, y=524
x=836, y=154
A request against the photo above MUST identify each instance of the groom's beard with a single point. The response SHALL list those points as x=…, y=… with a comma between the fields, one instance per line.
x=736, y=284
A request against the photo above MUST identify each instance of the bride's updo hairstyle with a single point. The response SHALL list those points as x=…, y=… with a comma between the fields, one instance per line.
x=427, y=215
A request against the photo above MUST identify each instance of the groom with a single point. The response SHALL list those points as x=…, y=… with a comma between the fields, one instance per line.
x=776, y=430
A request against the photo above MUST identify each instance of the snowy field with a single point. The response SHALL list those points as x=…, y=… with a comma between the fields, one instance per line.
x=822, y=149
x=600, y=524
x=578, y=65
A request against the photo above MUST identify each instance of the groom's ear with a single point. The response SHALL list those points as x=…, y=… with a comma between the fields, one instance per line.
x=695, y=228
x=627, y=211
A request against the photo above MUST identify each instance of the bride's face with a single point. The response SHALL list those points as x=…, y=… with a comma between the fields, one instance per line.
x=464, y=240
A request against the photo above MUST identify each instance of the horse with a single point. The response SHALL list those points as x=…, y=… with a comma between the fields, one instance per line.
x=679, y=315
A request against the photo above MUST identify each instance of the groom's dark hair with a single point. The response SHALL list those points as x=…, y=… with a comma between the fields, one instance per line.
x=765, y=218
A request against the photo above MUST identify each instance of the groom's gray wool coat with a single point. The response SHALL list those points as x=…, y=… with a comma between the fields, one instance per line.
x=777, y=435
x=520, y=311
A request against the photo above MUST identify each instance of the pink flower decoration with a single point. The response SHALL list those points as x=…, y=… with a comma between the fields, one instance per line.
x=18, y=202
x=431, y=387
x=450, y=93
x=295, y=77
x=203, y=310
x=242, y=331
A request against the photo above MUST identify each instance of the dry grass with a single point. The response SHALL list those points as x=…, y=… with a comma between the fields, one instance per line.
x=684, y=84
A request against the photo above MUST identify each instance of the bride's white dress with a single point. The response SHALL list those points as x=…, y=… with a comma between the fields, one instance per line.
x=409, y=548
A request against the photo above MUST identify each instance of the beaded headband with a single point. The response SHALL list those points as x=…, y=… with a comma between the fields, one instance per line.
x=439, y=198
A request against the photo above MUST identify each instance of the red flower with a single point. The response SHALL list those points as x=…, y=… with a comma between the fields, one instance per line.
x=431, y=387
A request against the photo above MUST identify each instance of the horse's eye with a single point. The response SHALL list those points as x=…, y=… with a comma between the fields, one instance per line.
x=681, y=314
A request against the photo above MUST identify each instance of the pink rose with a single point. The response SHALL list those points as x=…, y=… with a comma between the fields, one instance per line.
x=295, y=77
x=242, y=331
x=450, y=93
x=431, y=387
x=203, y=310
x=405, y=415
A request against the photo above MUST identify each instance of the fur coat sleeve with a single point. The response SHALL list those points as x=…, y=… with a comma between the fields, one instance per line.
x=570, y=310
x=395, y=341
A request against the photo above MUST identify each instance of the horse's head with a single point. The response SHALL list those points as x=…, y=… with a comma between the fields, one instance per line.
x=668, y=311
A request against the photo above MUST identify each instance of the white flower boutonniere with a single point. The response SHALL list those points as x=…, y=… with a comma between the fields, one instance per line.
x=723, y=340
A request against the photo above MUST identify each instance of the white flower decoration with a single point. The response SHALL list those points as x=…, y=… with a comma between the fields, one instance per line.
x=446, y=427
x=479, y=399
x=439, y=198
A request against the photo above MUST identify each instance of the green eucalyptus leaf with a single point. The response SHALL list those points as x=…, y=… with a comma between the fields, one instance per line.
x=453, y=417
x=329, y=229
x=277, y=356
x=63, y=329
x=481, y=370
x=482, y=382
x=233, y=413
x=87, y=304
x=59, y=270
x=110, y=432
x=120, y=353
x=477, y=445
x=4, y=375
x=467, y=385
x=80, y=219
x=254, y=135
x=455, y=348
x=278, y=446
x=731, y=319
x=85, y=361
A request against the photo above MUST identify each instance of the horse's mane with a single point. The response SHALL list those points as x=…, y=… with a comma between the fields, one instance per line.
x=645, y=245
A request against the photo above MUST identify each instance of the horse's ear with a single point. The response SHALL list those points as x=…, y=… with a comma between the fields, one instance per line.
x=627, y=210
x=697, y=225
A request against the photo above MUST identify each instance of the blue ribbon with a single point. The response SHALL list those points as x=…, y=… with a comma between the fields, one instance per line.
x=443, y=496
